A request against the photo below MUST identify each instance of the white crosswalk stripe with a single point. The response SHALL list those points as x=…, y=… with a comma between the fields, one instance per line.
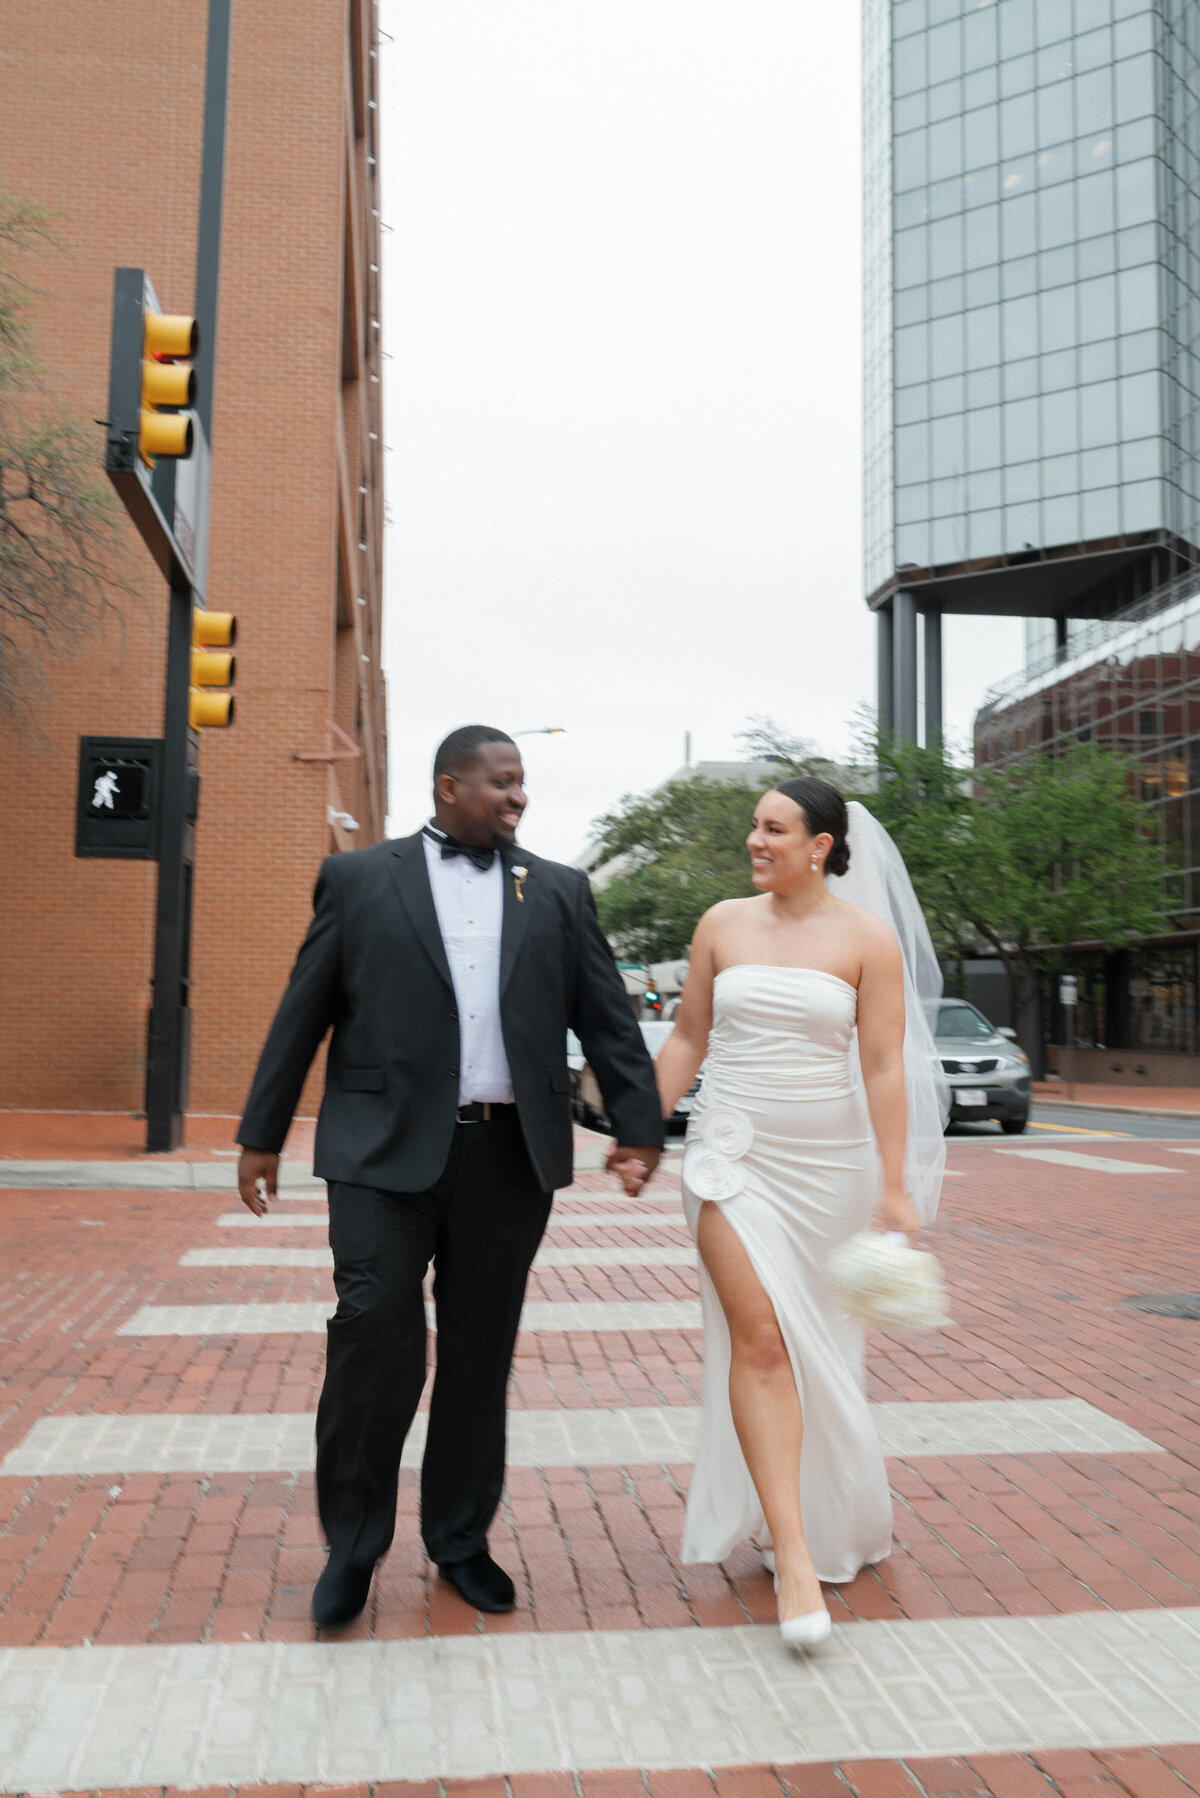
x=583, y=1255
x=299, y=1220
x=472, y=1705
x=627, y=1435
x=538, y=1316
x=1099, y=1164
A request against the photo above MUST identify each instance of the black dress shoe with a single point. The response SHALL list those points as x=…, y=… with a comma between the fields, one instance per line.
x=481, y=1582
x=340, y=1593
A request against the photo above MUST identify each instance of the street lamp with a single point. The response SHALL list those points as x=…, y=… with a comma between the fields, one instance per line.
x=542, y=730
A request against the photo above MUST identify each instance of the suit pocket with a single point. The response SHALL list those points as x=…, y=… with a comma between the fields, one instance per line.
x=362, y=1080
x=560, y=1080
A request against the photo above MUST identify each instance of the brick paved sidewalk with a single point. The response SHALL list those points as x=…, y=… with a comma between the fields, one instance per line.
x=1040, y=1257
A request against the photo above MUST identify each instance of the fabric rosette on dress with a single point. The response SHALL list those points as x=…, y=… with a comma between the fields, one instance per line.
x=713, y=1165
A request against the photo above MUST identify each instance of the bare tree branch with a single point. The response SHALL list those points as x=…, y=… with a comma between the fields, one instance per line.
x=60, y=547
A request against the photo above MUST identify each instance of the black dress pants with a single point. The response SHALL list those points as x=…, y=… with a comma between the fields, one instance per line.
x=480, y=1225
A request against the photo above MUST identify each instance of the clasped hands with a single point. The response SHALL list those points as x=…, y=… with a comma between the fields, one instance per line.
x=632, y=1166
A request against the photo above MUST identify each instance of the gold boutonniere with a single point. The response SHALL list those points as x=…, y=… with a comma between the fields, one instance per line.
x=520, y=876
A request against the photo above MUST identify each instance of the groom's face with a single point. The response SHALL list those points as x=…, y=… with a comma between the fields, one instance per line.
x=486, y=798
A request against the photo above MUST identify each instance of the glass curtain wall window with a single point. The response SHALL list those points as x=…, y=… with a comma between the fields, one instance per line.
x=1045, y=263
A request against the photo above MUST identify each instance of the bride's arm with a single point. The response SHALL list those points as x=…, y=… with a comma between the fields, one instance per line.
x=679, y=1059
x=881, y=1054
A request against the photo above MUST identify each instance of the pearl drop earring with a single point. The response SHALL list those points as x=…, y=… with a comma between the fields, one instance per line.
x=815, y=864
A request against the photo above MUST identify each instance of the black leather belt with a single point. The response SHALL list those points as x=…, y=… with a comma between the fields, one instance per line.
x=480, y=1111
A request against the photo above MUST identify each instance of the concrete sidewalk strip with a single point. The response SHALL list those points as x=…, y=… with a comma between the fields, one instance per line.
x=454, y=1707
x=297, y=1319
x=1100, y=1164
x=166, y=1176
x=214, y=1442
x=670, y=1254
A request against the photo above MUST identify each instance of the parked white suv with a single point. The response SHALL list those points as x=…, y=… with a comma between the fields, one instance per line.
x=988, y=1073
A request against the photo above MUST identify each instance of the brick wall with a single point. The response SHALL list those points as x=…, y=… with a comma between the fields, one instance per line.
x=103, y=118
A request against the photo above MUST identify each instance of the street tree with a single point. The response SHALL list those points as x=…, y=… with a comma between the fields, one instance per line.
x=1026, y=860
x=681, y=848
x=59, y=537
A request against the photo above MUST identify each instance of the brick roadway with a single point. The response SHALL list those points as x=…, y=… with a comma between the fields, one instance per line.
x=1039, y=1257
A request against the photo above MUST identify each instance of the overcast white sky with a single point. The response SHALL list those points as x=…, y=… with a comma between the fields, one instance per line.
x=622, y=311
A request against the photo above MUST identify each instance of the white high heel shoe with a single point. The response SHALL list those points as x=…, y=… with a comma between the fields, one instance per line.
x=809, y=1629
x=806, y=1631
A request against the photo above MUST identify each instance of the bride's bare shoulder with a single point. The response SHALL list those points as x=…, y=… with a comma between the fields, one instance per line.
x=729, y=913
x=872, y=935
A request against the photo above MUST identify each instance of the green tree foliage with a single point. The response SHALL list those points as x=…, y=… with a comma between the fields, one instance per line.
x=58, y=540
x=683, y=848
x=1025, y=860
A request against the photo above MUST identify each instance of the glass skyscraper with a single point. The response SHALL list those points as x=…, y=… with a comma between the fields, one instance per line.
x=1032, y=318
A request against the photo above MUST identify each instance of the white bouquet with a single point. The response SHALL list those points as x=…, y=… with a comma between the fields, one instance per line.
x=881, y=1279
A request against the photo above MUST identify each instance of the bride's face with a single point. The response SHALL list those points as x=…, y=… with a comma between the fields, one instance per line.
x=782, y=849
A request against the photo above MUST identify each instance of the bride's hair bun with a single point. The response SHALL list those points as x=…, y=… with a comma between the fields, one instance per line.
x=824, y=810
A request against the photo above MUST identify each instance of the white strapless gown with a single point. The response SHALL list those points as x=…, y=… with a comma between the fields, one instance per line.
x=781, y=1137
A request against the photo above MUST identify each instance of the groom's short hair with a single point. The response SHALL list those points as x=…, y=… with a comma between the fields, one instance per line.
x=462, y=746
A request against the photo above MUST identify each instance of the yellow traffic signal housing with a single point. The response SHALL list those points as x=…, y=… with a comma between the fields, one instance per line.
x=208, y=711
x=212, y=668
x=213, y=665
x=213, y=630
x=170, y=337
x=169, y=340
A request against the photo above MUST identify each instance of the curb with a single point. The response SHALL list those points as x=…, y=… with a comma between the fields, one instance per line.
x=1134, y=1111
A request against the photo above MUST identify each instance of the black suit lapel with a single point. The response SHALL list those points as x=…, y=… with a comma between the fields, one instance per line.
x=516, y=911
x=410, y=877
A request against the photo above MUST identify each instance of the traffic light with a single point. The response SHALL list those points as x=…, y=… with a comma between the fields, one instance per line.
x=213, y=666
x=653, y=997
x=168, y=379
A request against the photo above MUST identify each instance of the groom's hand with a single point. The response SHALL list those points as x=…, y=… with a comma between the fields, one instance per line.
x=255, y=1165
x=632, y=1166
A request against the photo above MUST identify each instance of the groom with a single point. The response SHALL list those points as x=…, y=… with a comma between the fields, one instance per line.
x=450, y=965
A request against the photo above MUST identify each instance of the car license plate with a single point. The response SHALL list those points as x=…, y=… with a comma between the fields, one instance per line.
x=970, y=1095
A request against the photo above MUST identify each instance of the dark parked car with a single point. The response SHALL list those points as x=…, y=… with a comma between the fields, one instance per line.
x=589, y=1104
x=987, y=1073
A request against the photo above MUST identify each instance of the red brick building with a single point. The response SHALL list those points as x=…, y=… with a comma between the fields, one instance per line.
x=102, y=109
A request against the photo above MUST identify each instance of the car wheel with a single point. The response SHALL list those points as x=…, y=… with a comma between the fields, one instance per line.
x=1013, y=1126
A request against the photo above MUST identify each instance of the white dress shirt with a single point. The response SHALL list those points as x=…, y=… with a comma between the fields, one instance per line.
x=469, y=902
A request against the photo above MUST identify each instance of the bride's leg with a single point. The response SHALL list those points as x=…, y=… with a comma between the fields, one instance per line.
x=767, y=1413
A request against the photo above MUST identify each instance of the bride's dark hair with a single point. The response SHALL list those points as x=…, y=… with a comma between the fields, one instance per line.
x=824, y=809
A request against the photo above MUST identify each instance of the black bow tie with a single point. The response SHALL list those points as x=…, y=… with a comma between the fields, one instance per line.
x=450, y=846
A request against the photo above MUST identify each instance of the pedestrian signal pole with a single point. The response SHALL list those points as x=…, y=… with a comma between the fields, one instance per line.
x=157, y=457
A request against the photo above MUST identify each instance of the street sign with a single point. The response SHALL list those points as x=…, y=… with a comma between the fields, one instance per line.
x=117, y=805
x=1068, y=990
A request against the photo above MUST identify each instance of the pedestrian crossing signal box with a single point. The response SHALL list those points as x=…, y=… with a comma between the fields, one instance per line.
x=117, y=809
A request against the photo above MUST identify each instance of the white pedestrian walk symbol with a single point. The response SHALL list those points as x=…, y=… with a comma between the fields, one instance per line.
x=106, y=786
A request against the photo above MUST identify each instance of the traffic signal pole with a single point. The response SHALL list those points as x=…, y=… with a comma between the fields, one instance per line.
x=170, y=1013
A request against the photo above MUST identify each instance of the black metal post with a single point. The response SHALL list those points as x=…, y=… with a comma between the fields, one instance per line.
x=170, y=1013
x=212, y=193
x=166, y=1059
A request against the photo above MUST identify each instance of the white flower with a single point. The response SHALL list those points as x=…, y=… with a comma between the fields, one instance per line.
x=888, y=1285
x=712, y=1176
x=726, y=1132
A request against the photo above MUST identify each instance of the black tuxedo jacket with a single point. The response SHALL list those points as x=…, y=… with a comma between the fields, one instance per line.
x=373, y=967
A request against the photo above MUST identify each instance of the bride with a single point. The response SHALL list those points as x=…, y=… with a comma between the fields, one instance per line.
x=820, y=1110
